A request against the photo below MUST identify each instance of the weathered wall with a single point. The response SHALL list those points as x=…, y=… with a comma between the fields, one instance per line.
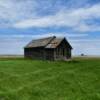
x=34, y=53
x=39, y=53
x=63, y=51
x=49, y=54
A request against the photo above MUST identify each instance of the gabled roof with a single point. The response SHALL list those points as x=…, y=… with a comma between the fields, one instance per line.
x=50, y=42
x=39, y=42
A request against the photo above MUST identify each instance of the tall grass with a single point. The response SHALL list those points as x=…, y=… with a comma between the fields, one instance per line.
x=23, y=79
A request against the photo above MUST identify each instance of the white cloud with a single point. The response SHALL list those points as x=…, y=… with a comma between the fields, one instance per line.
x=84, y=28
x=86, y=46
x=23, y=14
x=86, y=40
x=72, y=18
x=42, y=35
x=16, y=10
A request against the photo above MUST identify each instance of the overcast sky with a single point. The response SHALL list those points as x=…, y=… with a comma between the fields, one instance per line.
x=24, y=20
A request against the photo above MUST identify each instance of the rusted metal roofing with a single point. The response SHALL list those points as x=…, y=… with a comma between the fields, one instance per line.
x=50, y=42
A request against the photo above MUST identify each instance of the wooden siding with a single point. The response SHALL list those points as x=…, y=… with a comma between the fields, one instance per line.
x=39, y=53
x=34, y=53
x=61, y=52
x=49, y=54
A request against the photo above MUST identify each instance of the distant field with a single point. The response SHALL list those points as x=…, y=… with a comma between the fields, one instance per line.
x=11, y=56
x=22, y=79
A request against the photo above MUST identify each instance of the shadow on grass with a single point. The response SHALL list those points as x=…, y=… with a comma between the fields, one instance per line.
x=68, y=61
x=72, y=61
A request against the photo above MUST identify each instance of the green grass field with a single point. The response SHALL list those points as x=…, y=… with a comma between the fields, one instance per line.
x=22, y=79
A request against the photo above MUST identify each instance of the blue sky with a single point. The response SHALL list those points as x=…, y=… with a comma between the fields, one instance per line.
x=24, y=20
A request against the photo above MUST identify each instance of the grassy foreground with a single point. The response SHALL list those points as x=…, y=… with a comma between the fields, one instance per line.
x=42, y=80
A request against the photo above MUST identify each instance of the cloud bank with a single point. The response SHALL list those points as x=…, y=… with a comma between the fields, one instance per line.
x=24, y=20
x=76, y=19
